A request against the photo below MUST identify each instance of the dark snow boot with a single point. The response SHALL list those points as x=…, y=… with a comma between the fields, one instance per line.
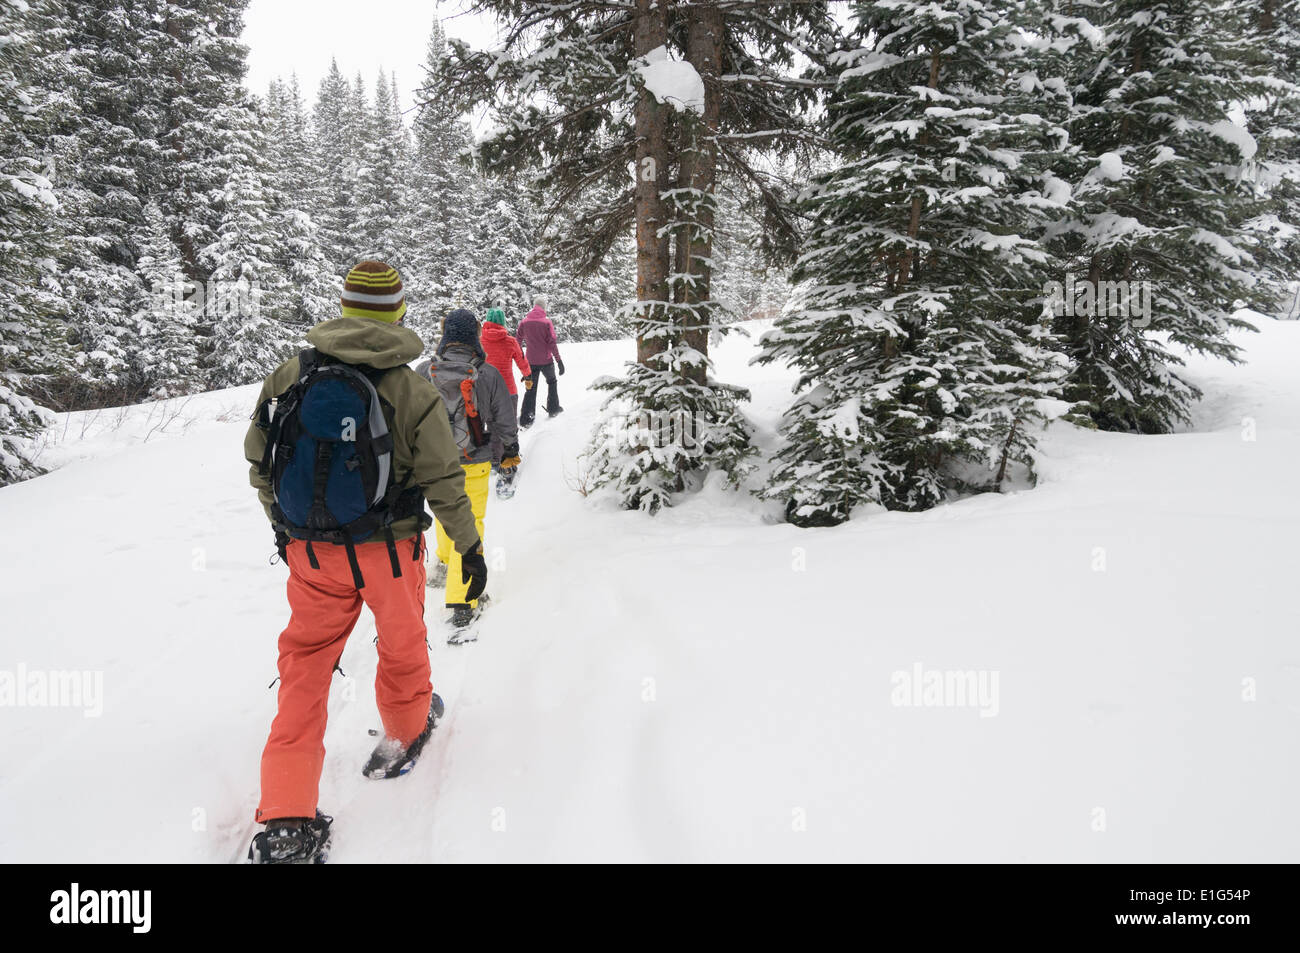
x=555, y=413
x=392, y=759
x=464, y=622
x=293, y=841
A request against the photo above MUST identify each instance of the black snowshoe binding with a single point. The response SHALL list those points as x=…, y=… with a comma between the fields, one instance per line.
x=391, y=759
x=293, y=842
x=463, y=626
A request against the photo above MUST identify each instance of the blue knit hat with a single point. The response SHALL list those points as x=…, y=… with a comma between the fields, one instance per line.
x=461, y=327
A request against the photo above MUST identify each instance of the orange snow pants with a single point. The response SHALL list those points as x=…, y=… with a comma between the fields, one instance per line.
x=325, y=605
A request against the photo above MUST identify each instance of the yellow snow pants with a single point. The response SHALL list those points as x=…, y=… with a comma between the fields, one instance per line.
x=477, y=483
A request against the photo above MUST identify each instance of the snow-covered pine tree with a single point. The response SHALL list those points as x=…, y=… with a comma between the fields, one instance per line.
x=591, y=307
x=745, y=281
x=166, y=356
x=334, y=199
x=767, y=136
x=313, y=286
x=502, y=232
x=916, y=328
x=515, y=262
x=31, y=345
x=104, y=147
x=581, y=90
x=1274, y=120
x=591, y=304
x=1153, y=221
x=441, y=256
x=196, y=64
x=144, y=92
x=732, y=96
x=250, y=305
x=382, y=188
x=360, y=128
x=594, y=115
x=667, y=422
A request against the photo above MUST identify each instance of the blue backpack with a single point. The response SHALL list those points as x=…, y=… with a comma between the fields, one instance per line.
x=330, y=459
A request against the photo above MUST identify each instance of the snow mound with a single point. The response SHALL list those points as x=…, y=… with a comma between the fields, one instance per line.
x=1110, y=167
x=675, y=83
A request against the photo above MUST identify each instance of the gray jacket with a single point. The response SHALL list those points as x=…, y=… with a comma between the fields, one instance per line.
x=491, y=396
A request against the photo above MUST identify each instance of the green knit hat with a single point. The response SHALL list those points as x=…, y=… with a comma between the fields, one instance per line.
x=496, y=316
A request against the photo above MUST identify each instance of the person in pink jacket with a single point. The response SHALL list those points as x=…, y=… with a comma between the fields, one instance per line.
x=537, y=334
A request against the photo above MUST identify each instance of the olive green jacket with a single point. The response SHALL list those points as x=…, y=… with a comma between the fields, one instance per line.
x=424, y=451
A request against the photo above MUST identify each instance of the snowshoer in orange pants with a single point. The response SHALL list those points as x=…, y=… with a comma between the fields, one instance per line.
x=347, y=446
x=325, y=606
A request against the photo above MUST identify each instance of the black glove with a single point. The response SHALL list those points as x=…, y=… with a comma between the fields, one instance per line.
x=282, y=545
x=561, y=364
x=473, y=570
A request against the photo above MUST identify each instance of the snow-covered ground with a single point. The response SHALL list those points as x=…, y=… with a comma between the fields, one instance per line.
x=709, y=684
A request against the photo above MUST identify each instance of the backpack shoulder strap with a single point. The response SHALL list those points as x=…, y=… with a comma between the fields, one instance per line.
x=308, y=360
x=376, y=374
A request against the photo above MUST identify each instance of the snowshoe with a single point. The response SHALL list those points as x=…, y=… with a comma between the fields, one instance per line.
x=464, y=622
x=392, y=759
x=438, y=575
x=294, y=841
x=506, y=483
x=555, y=413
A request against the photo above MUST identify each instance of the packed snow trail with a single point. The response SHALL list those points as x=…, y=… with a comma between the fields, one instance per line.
x=708, y=684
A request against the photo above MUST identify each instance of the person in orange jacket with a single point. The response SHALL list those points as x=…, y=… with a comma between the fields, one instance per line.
x=502, y=350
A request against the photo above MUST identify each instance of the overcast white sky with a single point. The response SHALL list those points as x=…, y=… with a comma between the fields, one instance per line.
x=288, y=36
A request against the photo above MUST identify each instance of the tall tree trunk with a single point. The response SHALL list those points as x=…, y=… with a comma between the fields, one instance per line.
x=699, y=172
x=1139, y=64
x=914, y=220
x=900, y=272
x=653, y=255
x=1006, y=453
x=1082, y=319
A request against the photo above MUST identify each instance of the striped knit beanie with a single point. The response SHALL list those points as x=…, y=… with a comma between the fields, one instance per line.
x=374, y=290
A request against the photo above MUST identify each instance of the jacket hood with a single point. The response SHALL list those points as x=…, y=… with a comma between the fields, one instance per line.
x=538, y=313
x=493, y=332
x=366, y=341
x=459, y=351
